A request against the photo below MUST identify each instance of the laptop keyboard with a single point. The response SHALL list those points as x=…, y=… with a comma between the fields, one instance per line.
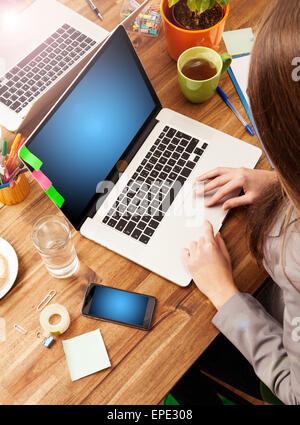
x=152, y=189
x=31, y=76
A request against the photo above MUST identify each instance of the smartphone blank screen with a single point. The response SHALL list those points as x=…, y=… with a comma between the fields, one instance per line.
x=112, y=304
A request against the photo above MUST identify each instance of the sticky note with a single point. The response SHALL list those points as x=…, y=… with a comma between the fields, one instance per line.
x=239, y=42
x=31, y=159
x=55, y=196
x=42, y=179
x=86, y=354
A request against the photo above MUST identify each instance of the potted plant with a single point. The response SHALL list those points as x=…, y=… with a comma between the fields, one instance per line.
x=190, y=23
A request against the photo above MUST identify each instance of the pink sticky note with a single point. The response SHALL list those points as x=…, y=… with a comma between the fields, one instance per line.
x=42, y=179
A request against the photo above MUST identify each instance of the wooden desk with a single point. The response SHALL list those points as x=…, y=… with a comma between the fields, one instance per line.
x=145, y=365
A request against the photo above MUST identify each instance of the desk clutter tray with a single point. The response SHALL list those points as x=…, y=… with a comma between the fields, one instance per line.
x=148, y=22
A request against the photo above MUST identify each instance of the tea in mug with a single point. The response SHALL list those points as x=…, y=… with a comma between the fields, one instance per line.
x=199, y=69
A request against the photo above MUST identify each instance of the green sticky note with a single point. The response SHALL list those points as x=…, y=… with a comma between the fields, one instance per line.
x=239, y=42
x=55, y=196
x=86, y=354
x=31, y=159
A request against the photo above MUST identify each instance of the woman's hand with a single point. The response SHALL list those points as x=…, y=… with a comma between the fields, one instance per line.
x=209, y=263
x=253, y=183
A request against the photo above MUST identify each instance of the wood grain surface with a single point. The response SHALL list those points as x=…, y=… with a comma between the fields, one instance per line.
x=145, y=365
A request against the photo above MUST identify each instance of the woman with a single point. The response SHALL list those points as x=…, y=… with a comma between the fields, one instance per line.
x=271, y=345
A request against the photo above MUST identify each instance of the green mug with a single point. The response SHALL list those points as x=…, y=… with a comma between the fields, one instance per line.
x=197, y=91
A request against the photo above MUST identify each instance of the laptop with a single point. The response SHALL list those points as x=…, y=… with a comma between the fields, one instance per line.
x=41, y=56
x=122, y=168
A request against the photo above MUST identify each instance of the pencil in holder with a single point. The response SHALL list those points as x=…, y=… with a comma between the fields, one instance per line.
x=16, y=194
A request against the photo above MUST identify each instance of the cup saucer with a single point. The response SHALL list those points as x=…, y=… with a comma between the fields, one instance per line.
x=12, y=261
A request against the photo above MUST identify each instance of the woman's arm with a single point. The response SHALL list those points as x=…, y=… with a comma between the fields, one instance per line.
x=272, y=351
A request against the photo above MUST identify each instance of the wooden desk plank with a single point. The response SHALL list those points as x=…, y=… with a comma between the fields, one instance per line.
x=145, y=365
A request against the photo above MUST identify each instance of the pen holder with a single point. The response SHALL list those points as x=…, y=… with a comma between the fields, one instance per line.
x=12, y=196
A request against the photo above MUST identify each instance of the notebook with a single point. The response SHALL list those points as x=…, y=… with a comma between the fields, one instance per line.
x=239, y=73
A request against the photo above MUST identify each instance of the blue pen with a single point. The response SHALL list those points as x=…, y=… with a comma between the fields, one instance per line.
x=3, y=186
x=238, y=115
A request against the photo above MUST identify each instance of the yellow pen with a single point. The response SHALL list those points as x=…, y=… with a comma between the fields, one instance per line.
x=13, y=151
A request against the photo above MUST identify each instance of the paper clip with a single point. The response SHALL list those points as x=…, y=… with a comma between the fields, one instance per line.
x=46, y=300
x=20, y=329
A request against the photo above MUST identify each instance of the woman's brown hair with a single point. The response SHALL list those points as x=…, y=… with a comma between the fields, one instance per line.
x=275, y=102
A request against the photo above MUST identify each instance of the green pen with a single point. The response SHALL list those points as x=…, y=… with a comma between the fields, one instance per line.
x=4, y=151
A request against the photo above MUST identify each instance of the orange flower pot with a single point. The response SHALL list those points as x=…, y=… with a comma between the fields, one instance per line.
x=179, y=39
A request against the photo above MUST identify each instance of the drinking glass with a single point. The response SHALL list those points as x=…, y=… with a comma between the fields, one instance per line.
x=51, y=236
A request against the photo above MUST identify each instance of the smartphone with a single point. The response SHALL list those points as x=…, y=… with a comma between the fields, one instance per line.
x=118, y=306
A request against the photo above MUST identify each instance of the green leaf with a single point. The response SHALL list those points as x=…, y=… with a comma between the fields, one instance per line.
x=222, y=3
x=172, y=2
x=201, y=5
x=192, y=5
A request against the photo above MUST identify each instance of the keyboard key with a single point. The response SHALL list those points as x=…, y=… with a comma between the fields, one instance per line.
x=149, y=167
x=144, y=239
x=161, y=147
x=15, y=105
x=129, y=228
x=158, y=167
x=154, y=173
x=172, y=176
x=166, y=140
x=191, y=146
x=190, y=164
x=162, y=160
x=141, y=225
x=163, y=176
x=179, y=149
x=184, y=142
x=171, y=162
x=75, y=35
x=148, y=231
x=15, y=70
x=186, y=172
x=204, y=146
x=198, y=151
x=154, y=224
x=3, y=89
x=171, y=132
x=121, y=225
x=112, y=222
x=105, y=220
x=136, y=234
x=157, y=153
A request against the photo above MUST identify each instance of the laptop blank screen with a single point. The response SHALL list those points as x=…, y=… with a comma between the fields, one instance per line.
x=92, y=127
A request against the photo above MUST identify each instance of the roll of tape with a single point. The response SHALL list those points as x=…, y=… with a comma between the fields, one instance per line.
x=58, y=328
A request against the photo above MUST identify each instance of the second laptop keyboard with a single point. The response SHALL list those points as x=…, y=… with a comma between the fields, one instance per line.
x=43, y=66
x=150, y=192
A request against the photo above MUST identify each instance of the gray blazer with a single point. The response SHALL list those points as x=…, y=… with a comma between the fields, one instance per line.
x=270, y=341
